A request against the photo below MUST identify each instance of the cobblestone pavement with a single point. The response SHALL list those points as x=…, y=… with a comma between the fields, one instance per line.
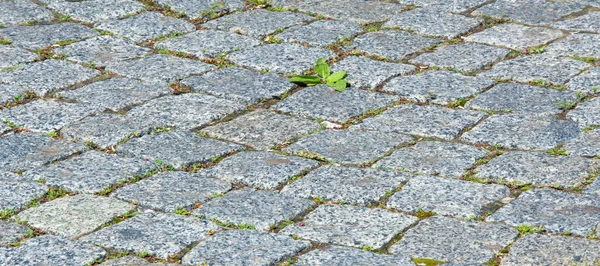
x=166, y=132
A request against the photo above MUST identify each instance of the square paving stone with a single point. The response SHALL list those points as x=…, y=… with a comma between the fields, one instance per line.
x=91, y=11
x=538, y=168
x=434, y=157
x=586, y=144
x=162, y=69
x=13, y=12
x=363, y=72
x=90, y=172
x=343, y=256
x=264, y=170
x=521, y=37
x=258, y=22
x=202, y=8
x=74, y=216
x=588, y=81
x=47, y=76
x=326, y=103
x=448, y=197
x=102, y=50
x=208, y=43
x=14, y=56
x=29, y=150
x=159, y=234
x=538, y=249
x=146, y=26
x=179, y=148
x=116, y=93
x=520, y=98
x=522, y=132
x=588, y=22
x=286, y=58
x=350, y=226
x=321, y=33
x=433, y=22
x=188, y=110
x=40, y=36
x=261, y=209
x=345, y=184
x=556, y=211
x=429, y=121
x=352, y=147
x=15, y=195
x=359, y=11
x=586, y=113
x=104, y=130
x=262, y=129
x=243, y=247
x=51, y=250
x=169, y=190
x=392, y=44
x=441, y=87
x=9, y=93
x=133, y=261
x=11, y=232
x=240, y=85
x=529, y=11
x=464, y=57
x=454, y=241
x=46, y=115
x=452, y=6
x=545, y=67
x=577, y=45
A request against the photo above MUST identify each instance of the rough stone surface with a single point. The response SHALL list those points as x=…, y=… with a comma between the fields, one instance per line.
x=51, y=250
x=15, y=195
x=169, y=190
x=9, y=93
x=243, y=247
x=588, y=81
x=464, y=57
x=350, y=226
x=208, y=43
x=537, y=249
x=11, y=232
x=345, y=184
x=132, y=261
x=257, y=23
x=343, y=256
x=578, y=45
x=260, y=209
x=454, y=241
x=11, y=56
x=91, y=11
x=102, y=50
x=588, y=22
x=593, y=188
x=264, y=170
x=359, y=11
x=431, y=22
x=363, y=72
x=586, y=113
x=556, y=211
x=74, y=216
x=529, y=11
x=13, y=12
x=392, y=44
x=354, y=147
x=521, y=37
x=146, y=26
x=452, y=6
x=104, y=130
x=321, y=33
x=202, y=8
x=40, y=36
x=159, y=234
x=586, y=144
x=429, y=121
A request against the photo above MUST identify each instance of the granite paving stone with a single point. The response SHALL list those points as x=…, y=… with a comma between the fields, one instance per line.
x=593, y=188
x=169, y=190
x=11, y=56
x=452, y=6
x=244, y=247
x=9, y=93
x=593, y=3
x=159, y=234
x=392, y=44
x=260, y=169
x=11, y=232
x=201, y=8
x=322, y=102
x=321, y=33
x=179, y=148
x=260, y=209
x=343, y=256
x=588, y=22
x=104, y=130
x=47, y=76
x=285, y=58
x=432, y=22
x=556, y=211
x=525, y=132
x=346, y=184
x=15, y=195
x=146, y=26
x=4, y=128
x=350, y=226
x=258, y=22
x=429, y=121
x=454, y=241
x=132, y=261
x=240, y=85
x=90, y=172
x=74, y=216
x=51, y=250
x=586, y=113
x=290, y=4
x=529, y=11
x=351, y=147
x=102, y=50
x=521, y=37
x=577, y=45
x=586, y=144
x=363, y=72
x=208, y=43
x=537, y=249
x=441, y=87
x=587, y=82
x=359, y=11
x=262, y=129
x=13, y=12
x=90, y=11
x=434, y=157
x=467, y=57
x=538, y=168
x=40, y=36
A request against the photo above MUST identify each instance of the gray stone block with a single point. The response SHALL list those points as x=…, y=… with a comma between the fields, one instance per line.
x=588, y=81
x=464, y=57
x=9, y=93
x=51, y=250
x=102, y=50
x=588, y=22
x=586, y=113
x=359, y=11
x=521, y=37
x=391, y=44
x=11, y=56
x=537, y=249
x=258, y=22
x=202, y=8
x=529, y=11
x=577, y=45
x=15, y=195
x=363, y=72
x=593, y=188
x=146, y=26
x=321, y=33
x=132, y=261
x=586, y=144
x=452, y=6
x=41, y=36
x=104, y=130
x=11, y=232
x=343, y=256
x=91, y=11
x=433, y=22
x=208, y=43
x=13, y=12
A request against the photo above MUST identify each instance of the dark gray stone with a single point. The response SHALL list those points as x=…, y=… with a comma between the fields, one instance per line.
x=40, y=36
x=258, y=22
x=13, y=12
x=11, y=56
x=147, y=26
x=11, y=232
x=586, y=113
x=15, y=195
x=51, y=250
x=529, y=11
x=343, y=256
x=433, y=22
x=91, y=11
x=208, y=43
x=521, y=37
x=578, y=45
x=359, y=11
x=588, y=22
x=321, y=33
x=586, y=144
x=588, y=81
x=392, y=44
x=104, y=130
x=102, y=50
x=466, y=57
x=537, y=249
x=363, y=72
x=202, y=8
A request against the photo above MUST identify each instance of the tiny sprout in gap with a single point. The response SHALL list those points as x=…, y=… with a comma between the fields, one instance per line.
x=336, y=80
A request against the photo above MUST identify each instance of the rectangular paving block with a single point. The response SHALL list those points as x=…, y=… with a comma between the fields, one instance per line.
x=16, y=194
x=392, y=44
x=577, y=45
x=257, y=23
x=10, y=93
x=51, y=250
x=14, y=12
x=321, y=32
x=538, y=249
x=588, y=22
x=344, y=256
x=132, y=260
x=102, y=50
x=41, y=36
x=521, y=37
x=586, y=113
x=529, y=11
x=466, y=57
x=363, y=72
x=359, y=11
x=208, y=43
x=586, y=144
x=146, y=26
x=91, y=11
x=452, y=6
x=11, y=232
x=588, y=81
x=11, y=56
x=103, y=130
x=202, y=8
x=433, y=22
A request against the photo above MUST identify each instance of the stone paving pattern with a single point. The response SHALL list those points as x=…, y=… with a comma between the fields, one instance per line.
x=166, y=132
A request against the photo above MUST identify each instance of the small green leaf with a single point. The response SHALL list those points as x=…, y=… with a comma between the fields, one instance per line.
x=322, y=70
x=321, y=61
x=340, y=85
x=336, y=76
x=306, y=79
x=330, y=84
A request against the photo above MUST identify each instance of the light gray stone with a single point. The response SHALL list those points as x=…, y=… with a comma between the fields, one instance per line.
x=243, y=247
x=11, y=56
x=537, y=249
x=433, y=22
x=359, y=11
x=51, y=250
x=11, y=232
x=521, y=37
x=4, y=128
x=208, y=43
x=104, y=130
x=9, y=93
x=15, y=195
x=529, y=11
x=91, y=11
x=593, y=3
x=593, y=188
x=102, y=50
x=586, y=113
x=578, y=45
x=14, y=12
x=363, y=72
x=202, y=8
x=463, y=57
x=132, y=261
x=586, y=144
x=588, y=22
x=343, y=256
x=260, y=209
x=258, y=22
x=147, y=26
x=392, y=44
x=452, y=6
x=350, y=226
x=40, y=36
x=321, y=33
x=588, y=81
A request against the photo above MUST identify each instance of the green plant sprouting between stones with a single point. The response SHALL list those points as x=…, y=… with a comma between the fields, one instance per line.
x=324, y=76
